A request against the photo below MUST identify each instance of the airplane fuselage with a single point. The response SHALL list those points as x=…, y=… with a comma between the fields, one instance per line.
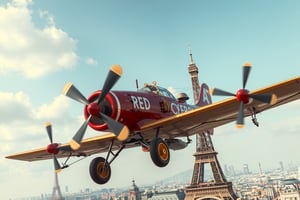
x=133, y=109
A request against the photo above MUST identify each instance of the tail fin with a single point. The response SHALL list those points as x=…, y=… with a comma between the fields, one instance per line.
x=203, y=100
x=204, y=96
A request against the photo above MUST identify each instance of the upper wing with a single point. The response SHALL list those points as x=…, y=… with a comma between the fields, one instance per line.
x=185, y=124
x=89, y=146
x=217, y=114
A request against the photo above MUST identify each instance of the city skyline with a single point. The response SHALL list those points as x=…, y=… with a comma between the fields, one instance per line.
x=45, y=44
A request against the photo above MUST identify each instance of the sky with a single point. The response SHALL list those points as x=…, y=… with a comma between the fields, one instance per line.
x=45, y=44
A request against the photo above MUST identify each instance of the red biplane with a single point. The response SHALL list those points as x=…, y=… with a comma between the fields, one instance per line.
x=153, y=119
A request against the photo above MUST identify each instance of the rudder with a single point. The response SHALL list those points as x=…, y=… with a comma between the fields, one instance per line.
x=204, y=96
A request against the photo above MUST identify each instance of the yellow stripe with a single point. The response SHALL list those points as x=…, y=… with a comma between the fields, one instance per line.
x=211, y=91
x=48, y=124
x=247, y=64
x=117, y=69
x=239, y=125
x=273, y=99
x=74, y=145
x=66, y=88
x=123, y=134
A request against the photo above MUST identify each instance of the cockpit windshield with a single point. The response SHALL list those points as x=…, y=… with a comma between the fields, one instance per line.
x=157, y=90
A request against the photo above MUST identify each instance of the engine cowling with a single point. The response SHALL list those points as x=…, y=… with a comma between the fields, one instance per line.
x=108, y=106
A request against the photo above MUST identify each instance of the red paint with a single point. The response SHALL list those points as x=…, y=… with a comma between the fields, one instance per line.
x=242, y=95
x=93, y=109
x=52, y=148
x=135, y=108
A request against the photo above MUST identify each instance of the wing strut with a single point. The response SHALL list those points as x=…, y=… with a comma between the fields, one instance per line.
x=110, y=152
x=253, y=116
x=157, y=131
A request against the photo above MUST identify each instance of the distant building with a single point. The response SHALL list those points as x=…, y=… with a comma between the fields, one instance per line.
x=231, y=171
x=290, y=190
x=281, y=166
x=246, y=169
x=167, y=195
x=134, y=192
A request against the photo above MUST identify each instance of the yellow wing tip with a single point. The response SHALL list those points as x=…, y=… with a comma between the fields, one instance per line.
x=123, y=134
x=117, y=69
x=74, y=145
x=66, y=88
x=58, y=170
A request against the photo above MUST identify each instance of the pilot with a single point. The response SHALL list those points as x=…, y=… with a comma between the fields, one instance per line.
x=152, y=87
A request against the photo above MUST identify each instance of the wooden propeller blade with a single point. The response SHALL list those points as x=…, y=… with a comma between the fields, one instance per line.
x=240, y=118
x=120, y=130
x=266, y=98
x=112, y=77
x=219, y=92
x=76, y=140
x=49, y=131
x=71, y=91
x=57, y=166
x=246, y=72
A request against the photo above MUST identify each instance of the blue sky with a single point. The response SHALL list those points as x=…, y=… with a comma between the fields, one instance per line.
x=45, y=44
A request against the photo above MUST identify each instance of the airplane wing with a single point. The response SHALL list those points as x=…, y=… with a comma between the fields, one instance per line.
x=181, y=125
x=89, y=146
x=220, y=113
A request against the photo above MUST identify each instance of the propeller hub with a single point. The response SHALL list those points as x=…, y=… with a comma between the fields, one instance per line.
x=93, y=109
x=52, y=148
x=242, y=95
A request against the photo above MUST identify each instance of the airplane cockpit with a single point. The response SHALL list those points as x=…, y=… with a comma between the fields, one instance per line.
x=157, y=90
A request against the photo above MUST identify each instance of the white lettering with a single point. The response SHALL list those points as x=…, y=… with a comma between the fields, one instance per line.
x=135, y=102
x=205, y=96
x=174, y=108
x=179, y=108
x=140, y=103
x=147, y=103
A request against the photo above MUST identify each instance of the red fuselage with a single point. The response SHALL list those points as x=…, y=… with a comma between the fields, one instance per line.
x=133, y=109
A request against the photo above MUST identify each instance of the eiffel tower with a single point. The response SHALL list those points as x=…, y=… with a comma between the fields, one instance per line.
x=56, y=193
x=205, y=153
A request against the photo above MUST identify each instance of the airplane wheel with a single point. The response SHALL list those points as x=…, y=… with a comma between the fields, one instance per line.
x=100, y=171
x=159, y=152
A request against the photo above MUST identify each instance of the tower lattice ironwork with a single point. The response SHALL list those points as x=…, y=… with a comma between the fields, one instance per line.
x=205, y=153
x=56, y=192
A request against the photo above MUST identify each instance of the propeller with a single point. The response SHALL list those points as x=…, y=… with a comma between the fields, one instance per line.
x=243, y=96
x=53, y=148
x=94, y=108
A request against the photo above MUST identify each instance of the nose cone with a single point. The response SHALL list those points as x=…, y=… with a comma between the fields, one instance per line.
x=242, y=95
x=93, y=109
x=52, y=148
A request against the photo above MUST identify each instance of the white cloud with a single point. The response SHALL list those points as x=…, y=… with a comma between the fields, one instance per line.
x=14, y=107
x=29, y=50
x=21, y=121
x=55, y=111
x=91, y=61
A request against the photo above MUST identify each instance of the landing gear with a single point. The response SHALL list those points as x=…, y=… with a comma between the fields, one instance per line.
x=159, y=152
x=253, y=116
x=100, y=170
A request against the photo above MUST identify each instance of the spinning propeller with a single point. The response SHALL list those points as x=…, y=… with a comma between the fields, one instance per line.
x=243, y=95
x=95, y=109
x=53, y=148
